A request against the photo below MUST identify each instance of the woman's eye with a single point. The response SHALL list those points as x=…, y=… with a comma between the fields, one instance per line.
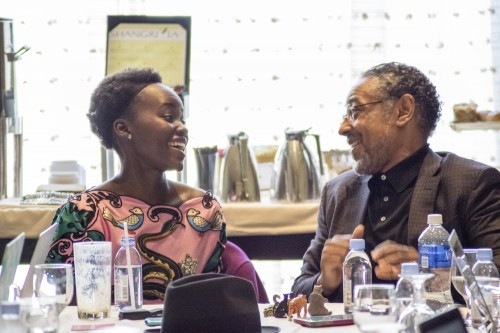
x=168, y=117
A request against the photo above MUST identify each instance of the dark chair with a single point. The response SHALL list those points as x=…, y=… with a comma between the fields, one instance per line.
x=236, y=262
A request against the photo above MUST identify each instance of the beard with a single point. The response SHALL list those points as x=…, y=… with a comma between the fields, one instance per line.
x=373, y=158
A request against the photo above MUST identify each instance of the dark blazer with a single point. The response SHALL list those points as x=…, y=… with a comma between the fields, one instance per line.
x=465, y=192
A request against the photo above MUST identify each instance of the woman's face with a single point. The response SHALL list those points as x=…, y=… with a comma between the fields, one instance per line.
x=157, y=129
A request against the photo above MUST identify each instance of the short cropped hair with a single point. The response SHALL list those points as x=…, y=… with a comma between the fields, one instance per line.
x=397, y=79
x=113, y=96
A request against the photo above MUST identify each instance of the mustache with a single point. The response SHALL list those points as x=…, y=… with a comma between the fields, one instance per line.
x=351, y=138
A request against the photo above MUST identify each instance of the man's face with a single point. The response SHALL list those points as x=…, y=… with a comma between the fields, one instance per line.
x=368, y=128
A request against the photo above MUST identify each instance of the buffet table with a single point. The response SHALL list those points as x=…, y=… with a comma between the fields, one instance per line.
x=263, y=230
x=69, y=318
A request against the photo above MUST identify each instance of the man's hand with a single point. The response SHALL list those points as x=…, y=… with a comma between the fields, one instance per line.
x=389, y=256
x=332, y=259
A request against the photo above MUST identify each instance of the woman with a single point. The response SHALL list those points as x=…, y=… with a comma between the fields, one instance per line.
x=179, y=230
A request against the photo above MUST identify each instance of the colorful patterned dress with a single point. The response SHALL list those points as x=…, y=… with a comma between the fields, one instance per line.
x=172, y=241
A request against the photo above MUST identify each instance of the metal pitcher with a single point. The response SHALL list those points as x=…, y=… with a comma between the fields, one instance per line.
x=10, y=121
x=297, y=176
x=206, y=158
x=239, y=181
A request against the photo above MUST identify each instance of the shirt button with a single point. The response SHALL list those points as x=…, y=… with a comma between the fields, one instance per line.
x=383, y=177
x=386, y=199
x=383, y=218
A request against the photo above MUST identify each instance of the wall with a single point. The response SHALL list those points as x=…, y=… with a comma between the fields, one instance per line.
x=257, y=66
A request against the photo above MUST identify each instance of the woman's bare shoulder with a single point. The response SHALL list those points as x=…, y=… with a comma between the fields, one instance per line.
x=187, y=192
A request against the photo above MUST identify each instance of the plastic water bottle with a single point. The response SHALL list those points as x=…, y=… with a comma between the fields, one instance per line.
x=487, y=276
x=484, y=269
x=404, y=287
x=356, y=270
x=123, y=288
x=435, y=257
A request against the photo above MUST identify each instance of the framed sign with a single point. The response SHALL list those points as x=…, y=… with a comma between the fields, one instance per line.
x=162, y=43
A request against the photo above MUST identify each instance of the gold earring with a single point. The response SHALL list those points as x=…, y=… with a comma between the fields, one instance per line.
x=129, y=136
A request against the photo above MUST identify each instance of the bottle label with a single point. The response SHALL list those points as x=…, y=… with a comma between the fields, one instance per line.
x=434, y=256
x=347, y=291
x=424, y=261
x=121, y=288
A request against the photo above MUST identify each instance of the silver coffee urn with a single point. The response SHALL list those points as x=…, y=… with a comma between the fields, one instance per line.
x=10, y=122
x=297, y=176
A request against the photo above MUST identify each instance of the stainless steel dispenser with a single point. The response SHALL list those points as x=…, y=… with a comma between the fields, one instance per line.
x=10, y=122
x=296, y=176
x=206, y=162
x=239, y=181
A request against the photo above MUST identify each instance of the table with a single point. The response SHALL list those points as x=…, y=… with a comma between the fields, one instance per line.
x=266, y=230
x=69, y=317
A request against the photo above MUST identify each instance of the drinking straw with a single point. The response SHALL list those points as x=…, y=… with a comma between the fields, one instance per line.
x=129, y=267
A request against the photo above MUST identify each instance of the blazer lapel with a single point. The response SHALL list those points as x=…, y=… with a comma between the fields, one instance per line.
x=424, y=197
x=359, y=193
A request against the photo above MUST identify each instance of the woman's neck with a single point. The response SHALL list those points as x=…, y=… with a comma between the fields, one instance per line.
x=153, y=189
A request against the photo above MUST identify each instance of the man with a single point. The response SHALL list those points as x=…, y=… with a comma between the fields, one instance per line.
x=396, y=182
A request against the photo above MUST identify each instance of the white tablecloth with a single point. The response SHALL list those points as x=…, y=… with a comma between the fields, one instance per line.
x=69, y=318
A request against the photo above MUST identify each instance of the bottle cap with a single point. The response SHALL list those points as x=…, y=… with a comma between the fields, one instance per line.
x=484, y=254
x=434, y=219
x=357, y=244
x=409, y=268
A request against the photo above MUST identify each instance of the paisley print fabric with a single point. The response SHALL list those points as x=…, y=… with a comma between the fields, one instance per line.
x=173, y=241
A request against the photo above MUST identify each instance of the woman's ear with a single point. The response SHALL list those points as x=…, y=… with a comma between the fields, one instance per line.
x=406, y=109
x=121, y=129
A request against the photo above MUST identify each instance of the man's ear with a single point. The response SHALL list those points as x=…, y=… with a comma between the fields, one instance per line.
x=406, y=110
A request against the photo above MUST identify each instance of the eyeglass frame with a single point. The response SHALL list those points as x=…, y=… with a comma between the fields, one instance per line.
x=352, y=112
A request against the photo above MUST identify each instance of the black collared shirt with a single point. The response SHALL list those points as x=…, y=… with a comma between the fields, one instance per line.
x=389, y=202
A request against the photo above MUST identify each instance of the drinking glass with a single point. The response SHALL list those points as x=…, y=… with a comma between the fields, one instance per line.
x=459, y=282
x=39, y=317
x=375, y=308
x=418, y=310
x=52, y=291
x=54, y=281
x=93, y=279
x=495, y=306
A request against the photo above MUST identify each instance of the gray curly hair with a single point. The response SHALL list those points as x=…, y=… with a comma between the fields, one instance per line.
x=398, y=79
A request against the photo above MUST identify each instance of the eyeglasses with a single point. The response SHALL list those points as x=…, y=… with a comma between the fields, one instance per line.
x=353, y=110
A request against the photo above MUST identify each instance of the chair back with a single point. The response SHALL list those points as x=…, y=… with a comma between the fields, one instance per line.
x=236, y=262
